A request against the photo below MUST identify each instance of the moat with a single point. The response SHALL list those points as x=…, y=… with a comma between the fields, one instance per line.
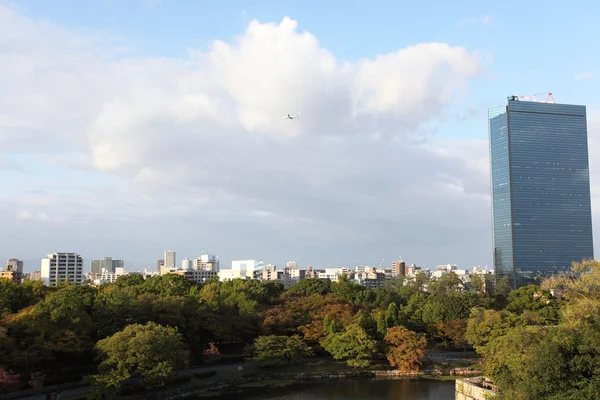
x=358, y=389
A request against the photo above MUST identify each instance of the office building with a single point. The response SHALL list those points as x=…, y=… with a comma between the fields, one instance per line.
x=58, y=267
x=242, y=269
x=398, y=268
x=13, y=270
x=170, y=259
x=186, y=264
x=107, y=263
x=206, y=262
x=540, y=188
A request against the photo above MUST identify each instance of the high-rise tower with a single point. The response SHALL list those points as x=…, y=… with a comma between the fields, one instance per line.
x=540, y=188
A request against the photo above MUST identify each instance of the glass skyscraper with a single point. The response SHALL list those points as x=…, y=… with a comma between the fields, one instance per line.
x=540, y=188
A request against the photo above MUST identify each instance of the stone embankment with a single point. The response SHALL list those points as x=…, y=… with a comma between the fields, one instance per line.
x=476, y=388
x=378, y=374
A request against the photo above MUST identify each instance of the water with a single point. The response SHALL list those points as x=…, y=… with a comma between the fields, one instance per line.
x=365, y=389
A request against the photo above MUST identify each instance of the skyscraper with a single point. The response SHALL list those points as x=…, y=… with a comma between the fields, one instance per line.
x=540, y=188
x=170, y=259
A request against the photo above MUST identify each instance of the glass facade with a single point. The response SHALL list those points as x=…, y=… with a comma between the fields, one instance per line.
x=540, y=189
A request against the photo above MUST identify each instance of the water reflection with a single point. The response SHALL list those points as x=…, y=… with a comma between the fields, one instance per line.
x=368, y=390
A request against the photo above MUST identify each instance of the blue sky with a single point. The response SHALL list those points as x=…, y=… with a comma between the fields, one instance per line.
x=522, y=47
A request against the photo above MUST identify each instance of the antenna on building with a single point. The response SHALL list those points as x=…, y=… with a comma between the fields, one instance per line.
x=549, y=97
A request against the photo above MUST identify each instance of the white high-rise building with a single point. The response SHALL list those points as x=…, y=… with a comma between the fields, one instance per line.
x=186, y=264
x=170, y=259
x=57, y=267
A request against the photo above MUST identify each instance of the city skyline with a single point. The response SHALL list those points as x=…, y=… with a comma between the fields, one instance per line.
x=121, y=139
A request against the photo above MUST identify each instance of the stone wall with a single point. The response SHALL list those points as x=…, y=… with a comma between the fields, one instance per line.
x=478, y=388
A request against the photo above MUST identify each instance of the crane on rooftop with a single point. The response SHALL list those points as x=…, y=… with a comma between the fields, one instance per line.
x=549, y=98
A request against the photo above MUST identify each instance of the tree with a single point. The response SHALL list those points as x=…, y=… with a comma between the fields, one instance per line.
x=347, y=290
x=212, y=353
x=151, y=351
x=477, y=283
x=533, y=298
x=310, y=287
x=366, y=322
x=9, y=381
x=452, y=332
x=129, y=280
x=167, y=285
x=406, y=349
x=272, y=349
x=486, y=325
x=353, y=345
x=381, y=325
x=36, y=380
x=582, y=282
x=529, y=360
x=391, y=315
x=115, y=307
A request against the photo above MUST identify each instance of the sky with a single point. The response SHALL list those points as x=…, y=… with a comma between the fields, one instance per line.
x=128, y=128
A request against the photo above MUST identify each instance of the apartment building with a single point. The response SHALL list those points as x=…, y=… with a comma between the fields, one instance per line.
x=58, y=267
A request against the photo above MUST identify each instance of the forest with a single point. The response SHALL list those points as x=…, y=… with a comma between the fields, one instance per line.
x=531, y=344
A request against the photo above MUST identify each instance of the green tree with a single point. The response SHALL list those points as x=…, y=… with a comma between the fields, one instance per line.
x=272, y=349
x=531, y=359
x=381, y=325
x=477, y=283
x=115, y=307
x=347, y=290
x=310, y=287
x=151, y=351
x=129, y=280
x=330, y=325
x=533, y=298
x=353, y=345
x=366, y=322
x=486, y=325
x=167, y=285
x=391, y=315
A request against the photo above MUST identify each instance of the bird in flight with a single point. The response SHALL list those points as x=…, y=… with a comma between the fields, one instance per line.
x=292, y=116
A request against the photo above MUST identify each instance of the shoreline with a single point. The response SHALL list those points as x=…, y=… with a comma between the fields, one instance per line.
x=255, y=384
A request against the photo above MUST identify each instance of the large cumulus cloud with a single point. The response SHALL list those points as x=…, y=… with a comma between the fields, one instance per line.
x=192, y=154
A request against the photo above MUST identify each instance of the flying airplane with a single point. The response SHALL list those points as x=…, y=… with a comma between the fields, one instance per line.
x=292, y=116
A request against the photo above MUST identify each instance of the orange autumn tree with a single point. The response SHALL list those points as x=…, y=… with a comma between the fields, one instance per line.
x=405, y=349
x=9, y=381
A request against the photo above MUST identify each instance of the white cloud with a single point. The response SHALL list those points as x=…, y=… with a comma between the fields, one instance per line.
x=583, y=75
x=25, y=215
x=203, y=159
